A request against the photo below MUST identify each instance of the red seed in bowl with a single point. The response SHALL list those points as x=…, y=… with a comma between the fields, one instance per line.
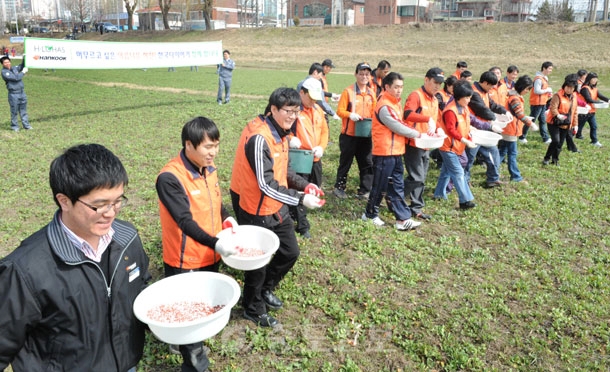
x=249, y=252
x=183, y=311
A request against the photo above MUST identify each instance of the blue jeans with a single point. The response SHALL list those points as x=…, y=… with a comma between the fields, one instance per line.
x=224, y=84
x=584, y=119
x=452, y=169
x=491, y=157
x=386, y=169
x=509, y=149
x=538, y=112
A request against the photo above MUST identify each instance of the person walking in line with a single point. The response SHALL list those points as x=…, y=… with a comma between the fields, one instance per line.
x=591, y=96
x=17, y=100
x=539, y=96
x=562, y=116
x=225, y=77
x=263, y=187
x=389, y=133
x=357, y=102
x=192, y=213
x=383, y=68
x=67, y=292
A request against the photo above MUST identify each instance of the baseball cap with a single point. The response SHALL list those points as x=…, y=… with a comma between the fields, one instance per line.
x=314, y=87
x=328, y=62
x=436, y=74
x=363, y=66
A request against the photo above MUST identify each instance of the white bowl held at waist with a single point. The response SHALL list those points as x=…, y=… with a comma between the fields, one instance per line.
x=250, y=237
x=601, y=105
x=485, y=138
x=427, y=142
x=211, y=288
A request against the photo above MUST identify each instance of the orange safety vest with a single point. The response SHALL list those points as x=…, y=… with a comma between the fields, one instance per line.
x=567, y=106
x=180, y=250
x=386, y=142
x=501, y=93
x=428, y=105
x=484, y=95
x=593, y=93
x=311, y=128
x=515, y=127
x=364, y=103
x=243, y=180
x=540, y=99
x=463, y=126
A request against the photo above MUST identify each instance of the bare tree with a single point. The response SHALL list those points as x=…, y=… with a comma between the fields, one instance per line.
x=165, y=6
x=208, y=6
x=130, y=7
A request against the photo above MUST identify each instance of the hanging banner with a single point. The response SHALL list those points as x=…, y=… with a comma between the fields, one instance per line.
x=75, y=54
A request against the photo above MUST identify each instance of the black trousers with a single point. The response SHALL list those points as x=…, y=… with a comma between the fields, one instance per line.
x=193, y=355
x=558, y=136
x=361, y=148
x=268, y=277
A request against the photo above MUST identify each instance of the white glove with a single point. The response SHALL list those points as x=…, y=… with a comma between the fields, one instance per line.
x=312, y=201
x=509, y=116
x=534, y=127
x=25, y=70
x=336, y=117
x=318, y=151
x=440, y=132
x=561, y=117
x=588, y=107
x=549, y=90
x=468, y=143
x=354, y=117
x=496, y=128
x=225, y=247
x=335, y=97
x=431, y=127
x=295, y=143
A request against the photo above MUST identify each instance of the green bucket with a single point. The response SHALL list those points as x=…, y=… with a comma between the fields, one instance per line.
x=363, y=128
x=301, y=161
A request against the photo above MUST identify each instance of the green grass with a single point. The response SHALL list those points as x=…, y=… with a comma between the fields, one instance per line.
x=520, y=283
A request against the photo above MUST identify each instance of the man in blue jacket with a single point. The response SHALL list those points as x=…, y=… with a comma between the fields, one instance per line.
x=13, y=77
x=66, y=293
x=225, y=76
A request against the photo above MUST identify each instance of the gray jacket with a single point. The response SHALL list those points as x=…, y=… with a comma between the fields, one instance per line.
x=225, y=69
x=13, y=78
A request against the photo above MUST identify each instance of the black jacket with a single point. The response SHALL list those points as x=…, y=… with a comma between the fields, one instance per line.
x=57, y=312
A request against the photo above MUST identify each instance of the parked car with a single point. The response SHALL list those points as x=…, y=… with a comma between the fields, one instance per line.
x=109, y=27
x=38, y=29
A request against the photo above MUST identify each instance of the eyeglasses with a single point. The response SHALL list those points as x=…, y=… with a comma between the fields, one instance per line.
x=291, y=112
x=117, y=205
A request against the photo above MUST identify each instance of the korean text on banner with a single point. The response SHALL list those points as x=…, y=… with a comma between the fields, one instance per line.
x=75, y=54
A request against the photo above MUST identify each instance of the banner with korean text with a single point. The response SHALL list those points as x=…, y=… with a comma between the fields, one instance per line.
x=75, y=54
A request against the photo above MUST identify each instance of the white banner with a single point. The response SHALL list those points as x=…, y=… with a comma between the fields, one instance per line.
x=75, y=54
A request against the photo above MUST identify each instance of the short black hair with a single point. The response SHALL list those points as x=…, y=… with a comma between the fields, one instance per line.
x=462, y=89
x=590, y=75
x=316, y=67
x=512, y=68
x=383, y=64
x=546, y=65
x=523, y=83
x=465, y=74
x=283, y=97
x=449, y=82
x=581, y=72
x=390, y=78
x=488, y=77
x=226, y=51
x=462, y=64
x=197, y=129
x=84, y=168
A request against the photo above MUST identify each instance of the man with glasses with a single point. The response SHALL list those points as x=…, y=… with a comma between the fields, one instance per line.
x=66, y=293
x=263, y=188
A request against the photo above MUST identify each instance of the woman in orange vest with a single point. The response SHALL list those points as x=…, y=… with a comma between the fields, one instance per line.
x=589, y=93
x=456, y=124
x=508, y=144
x=561, y=117
x=357, y=102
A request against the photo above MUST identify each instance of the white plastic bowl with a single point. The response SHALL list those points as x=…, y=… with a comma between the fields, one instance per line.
x=601, y=105
x=582, y=110
x=250, y=236
x=485, y=138
x=209, y=287
x=427, y=142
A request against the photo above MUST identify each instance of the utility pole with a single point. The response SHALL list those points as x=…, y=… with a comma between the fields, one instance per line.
x=606, y=5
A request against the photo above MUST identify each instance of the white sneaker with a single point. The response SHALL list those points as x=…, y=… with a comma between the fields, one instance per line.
x=524, y=140
x=597, y=144
x=376, y=221
x=548, y=141
x=407, y=225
